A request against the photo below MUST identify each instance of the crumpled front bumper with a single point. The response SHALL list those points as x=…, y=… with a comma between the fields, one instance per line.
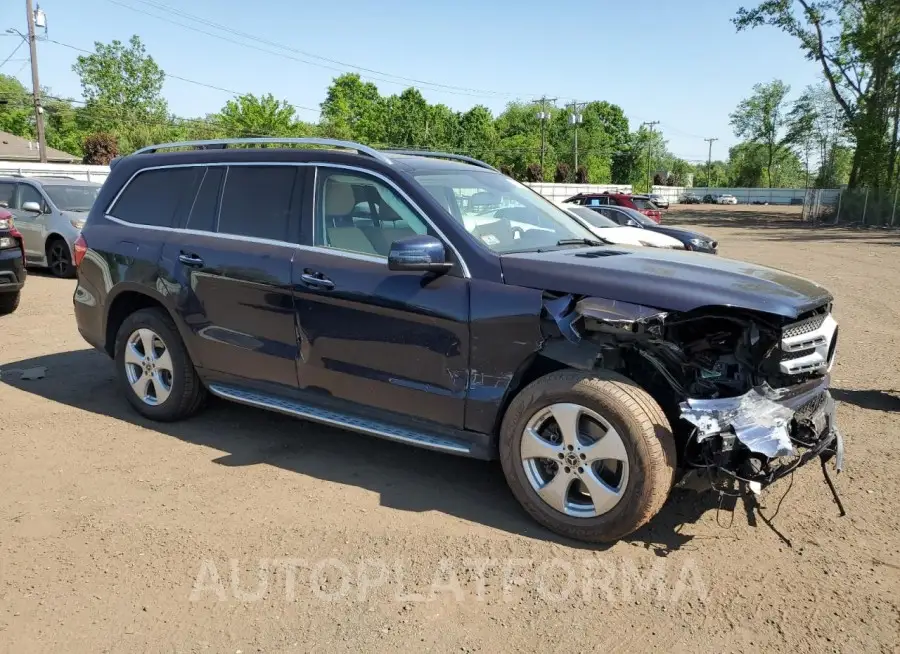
x=782, y=429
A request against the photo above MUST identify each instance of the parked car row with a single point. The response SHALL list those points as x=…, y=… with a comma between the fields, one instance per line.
x=641, y=203
x=431, y=300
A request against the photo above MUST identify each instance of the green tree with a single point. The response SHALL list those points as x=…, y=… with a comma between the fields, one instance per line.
x=353, y=109
x=857, y=44
x=249, y=115
x=17, y=112
x=761, y=119
x=122, y=86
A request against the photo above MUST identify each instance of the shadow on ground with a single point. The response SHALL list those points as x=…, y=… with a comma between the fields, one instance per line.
x=872, y=399
x=406, y=478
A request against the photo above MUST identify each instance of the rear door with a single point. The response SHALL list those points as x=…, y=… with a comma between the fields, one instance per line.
x=394, y=341
x=232, y=265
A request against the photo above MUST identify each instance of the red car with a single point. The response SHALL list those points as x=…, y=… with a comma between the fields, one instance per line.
x=641, y=203
x=12, y=263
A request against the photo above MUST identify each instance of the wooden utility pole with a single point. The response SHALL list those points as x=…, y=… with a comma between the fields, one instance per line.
x=36, y=85
x=649, y=152
x=709, y=164
x=544, y=115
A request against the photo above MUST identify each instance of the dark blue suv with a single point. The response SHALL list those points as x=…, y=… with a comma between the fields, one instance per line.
x=428, y=299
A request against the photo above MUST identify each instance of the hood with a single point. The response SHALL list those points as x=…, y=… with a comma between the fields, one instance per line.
x=672, y=280
x=636, y=236
x=683, y=235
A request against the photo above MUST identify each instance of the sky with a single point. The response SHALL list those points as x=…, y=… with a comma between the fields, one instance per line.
x=679, y=63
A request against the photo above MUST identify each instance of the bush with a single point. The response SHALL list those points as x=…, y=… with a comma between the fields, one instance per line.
x=506, y=170
x=659, y=180
x=581, y=175
x=534, y=173
x=100, y=148
x=563, y=173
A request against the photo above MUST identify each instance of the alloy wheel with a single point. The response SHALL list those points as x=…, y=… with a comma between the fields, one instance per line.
x=148, y=366
x=575, y=460
x=58, y=259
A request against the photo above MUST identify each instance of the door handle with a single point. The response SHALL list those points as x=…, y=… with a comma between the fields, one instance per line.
x=190, y=260
x=317, y=280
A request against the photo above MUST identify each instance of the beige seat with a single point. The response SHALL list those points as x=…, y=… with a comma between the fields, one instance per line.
x=340, y=232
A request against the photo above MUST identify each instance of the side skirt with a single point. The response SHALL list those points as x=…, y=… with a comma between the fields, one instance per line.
x=451, y=441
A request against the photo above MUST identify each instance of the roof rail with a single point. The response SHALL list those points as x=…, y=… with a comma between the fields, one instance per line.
x=223, y=143
x=444, y=155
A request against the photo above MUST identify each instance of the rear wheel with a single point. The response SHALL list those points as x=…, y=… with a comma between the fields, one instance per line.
x=9, y=302
x=154, y=368
x=59, y=258
x=589, y=455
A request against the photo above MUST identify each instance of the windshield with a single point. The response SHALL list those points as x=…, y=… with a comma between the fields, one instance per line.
x=72, y=198
x=643, y=203
x=592, y=217
x=503, y=214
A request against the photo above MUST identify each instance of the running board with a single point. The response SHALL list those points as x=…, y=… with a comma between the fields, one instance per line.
x=372, y=427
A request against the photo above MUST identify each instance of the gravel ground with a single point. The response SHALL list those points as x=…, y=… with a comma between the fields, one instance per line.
x=244, y=531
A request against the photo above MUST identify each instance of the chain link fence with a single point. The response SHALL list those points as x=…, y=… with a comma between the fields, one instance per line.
x=865, y=207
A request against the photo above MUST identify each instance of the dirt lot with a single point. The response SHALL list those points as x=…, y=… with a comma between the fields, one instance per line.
x=243, y=531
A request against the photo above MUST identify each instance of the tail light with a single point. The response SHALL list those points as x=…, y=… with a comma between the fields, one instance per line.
x=81, y=247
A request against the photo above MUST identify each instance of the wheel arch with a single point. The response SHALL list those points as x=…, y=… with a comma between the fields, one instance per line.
x=52, y=236
x=128, y=299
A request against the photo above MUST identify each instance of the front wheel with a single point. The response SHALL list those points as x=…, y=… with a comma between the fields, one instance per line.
x=59, y=259
x=9, y=302
x=589, y=455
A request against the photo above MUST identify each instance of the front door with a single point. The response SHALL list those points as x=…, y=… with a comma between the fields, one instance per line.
x=232, y=266
x=31, y=224
x=394, y=341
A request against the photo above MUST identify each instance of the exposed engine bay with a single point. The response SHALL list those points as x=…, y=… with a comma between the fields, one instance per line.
x=746, y=392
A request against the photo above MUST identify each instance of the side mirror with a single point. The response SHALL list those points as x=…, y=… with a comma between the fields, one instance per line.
x=33, y=207
x=418, y=253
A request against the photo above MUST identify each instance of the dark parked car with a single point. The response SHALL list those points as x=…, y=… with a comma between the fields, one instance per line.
x=12, y=264
x=691, y=198
x=630, y=218
x=711, y=198
x=351, y=288
x=641, y=203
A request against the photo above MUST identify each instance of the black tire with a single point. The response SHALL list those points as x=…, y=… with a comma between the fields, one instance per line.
x=187, y=393
x=59, y=259
x=644, y=431
x=9, y=302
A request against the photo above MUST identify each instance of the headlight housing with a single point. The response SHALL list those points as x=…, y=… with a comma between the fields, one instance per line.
x=8, y=242
x=699, y=243
x=5, y=223
x=77, y=224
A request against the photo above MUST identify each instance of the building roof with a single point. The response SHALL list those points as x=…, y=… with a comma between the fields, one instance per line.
x=16, y=148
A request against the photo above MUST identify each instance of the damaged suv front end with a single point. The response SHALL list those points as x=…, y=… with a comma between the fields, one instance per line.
x=745, y=390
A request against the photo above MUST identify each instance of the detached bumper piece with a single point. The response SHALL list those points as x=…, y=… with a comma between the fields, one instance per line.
x=765, y=434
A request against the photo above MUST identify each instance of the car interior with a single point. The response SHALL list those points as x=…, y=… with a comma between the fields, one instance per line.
x=358, y=219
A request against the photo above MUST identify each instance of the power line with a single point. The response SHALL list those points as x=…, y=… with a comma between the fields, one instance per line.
x=15, y=50
x=180, y=78
x=340, y=67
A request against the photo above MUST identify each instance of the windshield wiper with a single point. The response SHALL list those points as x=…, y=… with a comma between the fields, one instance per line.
x=582, y=241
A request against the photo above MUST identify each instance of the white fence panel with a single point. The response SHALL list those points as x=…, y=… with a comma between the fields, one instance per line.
x=746, y=195
x=76, y=171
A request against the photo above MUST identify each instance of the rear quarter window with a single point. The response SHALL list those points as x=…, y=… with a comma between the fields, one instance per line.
x=157, y=197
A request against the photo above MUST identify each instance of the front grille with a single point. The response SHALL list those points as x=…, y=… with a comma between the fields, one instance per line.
x=790, y=356
x=804, y=326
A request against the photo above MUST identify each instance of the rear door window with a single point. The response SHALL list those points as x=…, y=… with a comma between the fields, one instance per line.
x=153, y=197
x=262, y=202
x=205, y=209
